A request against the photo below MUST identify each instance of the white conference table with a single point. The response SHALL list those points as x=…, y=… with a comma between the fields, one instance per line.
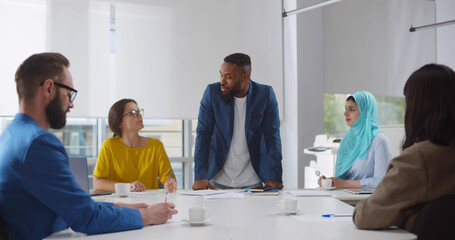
x=255, y=217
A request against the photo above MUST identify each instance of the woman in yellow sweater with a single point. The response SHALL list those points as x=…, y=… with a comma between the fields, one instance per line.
x=129, y=157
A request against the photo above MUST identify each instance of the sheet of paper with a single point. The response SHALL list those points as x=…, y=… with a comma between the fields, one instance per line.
x=146, y=192
x=319, y=218
x=309, y=193
x=227, y=195
x=203, y=192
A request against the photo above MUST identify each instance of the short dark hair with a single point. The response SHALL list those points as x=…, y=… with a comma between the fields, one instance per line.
x=36, y=69
x=241, y=60
x=430, y=105
x=350, y=98
x=116, y=115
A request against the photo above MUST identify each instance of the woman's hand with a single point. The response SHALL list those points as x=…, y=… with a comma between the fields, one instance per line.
x=338, y=182
x=170, y=185
x=138, y=186
x=319, y=180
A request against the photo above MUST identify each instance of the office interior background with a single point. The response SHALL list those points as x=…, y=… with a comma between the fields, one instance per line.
x=163, y=53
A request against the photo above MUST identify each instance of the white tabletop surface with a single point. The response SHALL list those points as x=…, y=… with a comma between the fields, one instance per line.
x=255, y=217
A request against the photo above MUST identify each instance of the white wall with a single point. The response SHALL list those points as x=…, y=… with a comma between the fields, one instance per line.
x=289, y=125
x=368, y=45
x=19, y=38
x=445, y=35
x=303, y=66
x=166, y=51
x=310, y=88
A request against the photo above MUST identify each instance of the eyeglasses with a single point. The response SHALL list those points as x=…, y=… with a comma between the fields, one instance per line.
x=73, y=94
x=135, y=113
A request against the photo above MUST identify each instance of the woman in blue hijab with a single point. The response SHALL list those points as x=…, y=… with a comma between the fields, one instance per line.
x=364, y=151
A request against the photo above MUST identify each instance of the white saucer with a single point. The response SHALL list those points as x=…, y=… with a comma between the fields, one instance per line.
x=329, y=188
x=289, y=212
x=195, y=223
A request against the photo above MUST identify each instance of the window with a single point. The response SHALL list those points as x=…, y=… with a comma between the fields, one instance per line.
x=84, y=136
x=390, y=112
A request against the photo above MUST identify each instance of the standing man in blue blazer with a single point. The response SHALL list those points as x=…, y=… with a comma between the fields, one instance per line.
x=238, y=142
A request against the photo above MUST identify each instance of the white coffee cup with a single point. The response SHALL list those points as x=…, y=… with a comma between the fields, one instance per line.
x=288, y=205
x=123, y=189
x=326, y=183
x=198, y=215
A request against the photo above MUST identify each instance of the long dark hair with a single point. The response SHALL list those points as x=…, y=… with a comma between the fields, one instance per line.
x=116, y=115
x=430, y=106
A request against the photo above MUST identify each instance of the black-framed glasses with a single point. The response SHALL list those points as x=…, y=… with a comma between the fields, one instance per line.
x=135, y=113
x=73, y=94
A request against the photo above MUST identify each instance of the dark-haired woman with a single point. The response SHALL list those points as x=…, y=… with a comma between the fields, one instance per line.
x=130, y=158
x=425, y=170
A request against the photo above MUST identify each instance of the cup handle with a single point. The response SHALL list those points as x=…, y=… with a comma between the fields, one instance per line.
x=207, y=214
x=133, y=187
x=280, y=204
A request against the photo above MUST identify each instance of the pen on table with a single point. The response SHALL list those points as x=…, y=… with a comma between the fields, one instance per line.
x=165, y=199
x=336, y=215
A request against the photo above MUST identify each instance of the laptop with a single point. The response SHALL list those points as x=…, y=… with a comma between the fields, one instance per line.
x=79, y=169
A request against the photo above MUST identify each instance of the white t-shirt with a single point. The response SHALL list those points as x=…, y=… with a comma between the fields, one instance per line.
x=238, y=170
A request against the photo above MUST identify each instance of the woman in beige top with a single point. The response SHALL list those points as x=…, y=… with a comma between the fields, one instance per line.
x=425, y=169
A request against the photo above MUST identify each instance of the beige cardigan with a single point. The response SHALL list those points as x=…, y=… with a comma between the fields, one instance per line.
x=422, y=173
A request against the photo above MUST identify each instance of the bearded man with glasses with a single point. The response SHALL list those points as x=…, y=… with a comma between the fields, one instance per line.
x=38, y=193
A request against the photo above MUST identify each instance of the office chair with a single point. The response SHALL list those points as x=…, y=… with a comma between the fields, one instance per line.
x=435, y=220
x=3, y=235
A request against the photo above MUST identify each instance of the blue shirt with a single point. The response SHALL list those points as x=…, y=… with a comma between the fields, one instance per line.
x=38, y=193
x=371, y=170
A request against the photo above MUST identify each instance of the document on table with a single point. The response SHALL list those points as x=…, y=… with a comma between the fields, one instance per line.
x=146, y=192
x=309, y=193
x=203, y=192
x=226, y=195
x=320, y=218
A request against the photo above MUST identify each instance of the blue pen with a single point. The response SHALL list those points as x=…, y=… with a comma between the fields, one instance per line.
x=336, y=215
x=165, y=199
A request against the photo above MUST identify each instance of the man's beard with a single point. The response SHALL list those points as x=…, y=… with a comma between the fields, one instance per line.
x=54, y=113
x=235, y=90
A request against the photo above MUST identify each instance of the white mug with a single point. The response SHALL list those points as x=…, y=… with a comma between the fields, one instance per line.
x=326, y=183
x=288, y=205
x=198, y=214
x=122, y=189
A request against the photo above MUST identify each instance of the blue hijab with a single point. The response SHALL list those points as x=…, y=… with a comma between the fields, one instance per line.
x=357, y=140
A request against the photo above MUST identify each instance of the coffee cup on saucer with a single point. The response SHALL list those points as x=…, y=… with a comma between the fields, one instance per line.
x=326, y=183
x=198, y=215
x=288, y=206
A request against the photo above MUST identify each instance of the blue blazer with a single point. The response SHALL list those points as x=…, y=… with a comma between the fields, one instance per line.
x=40, y=196
x=262, y=131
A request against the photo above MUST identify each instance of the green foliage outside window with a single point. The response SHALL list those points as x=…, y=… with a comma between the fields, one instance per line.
x=390, y=112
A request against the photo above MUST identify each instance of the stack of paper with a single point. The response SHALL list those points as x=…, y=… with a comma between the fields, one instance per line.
x=227, y=195
x=309, y=193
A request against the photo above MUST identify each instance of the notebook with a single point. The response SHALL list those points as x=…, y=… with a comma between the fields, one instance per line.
x=271, y=192
x=359, y=191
